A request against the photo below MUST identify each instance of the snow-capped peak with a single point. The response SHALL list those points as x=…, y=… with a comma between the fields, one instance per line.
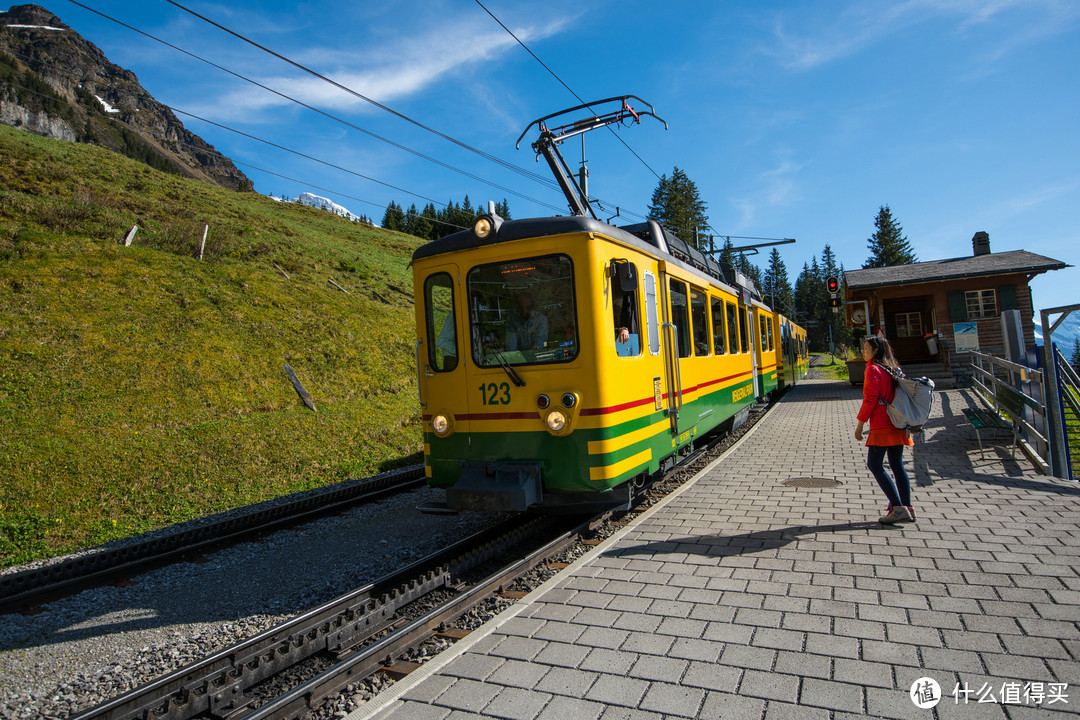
x=322, y=203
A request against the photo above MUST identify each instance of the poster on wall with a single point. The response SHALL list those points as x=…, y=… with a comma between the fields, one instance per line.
x=966, y=336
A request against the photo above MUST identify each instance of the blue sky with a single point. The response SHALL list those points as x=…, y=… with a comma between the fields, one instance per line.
x=794, y=119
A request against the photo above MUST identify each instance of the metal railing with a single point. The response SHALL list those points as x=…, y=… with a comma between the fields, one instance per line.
x=1015, y=391
x=1069, y=393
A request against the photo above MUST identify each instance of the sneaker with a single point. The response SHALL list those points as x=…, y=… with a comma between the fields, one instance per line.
x=898, y=514
x=911, y=513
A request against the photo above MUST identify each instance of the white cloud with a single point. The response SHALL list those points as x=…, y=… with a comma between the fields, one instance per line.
x=863, y=24
x=388, y=72
x=777, y=187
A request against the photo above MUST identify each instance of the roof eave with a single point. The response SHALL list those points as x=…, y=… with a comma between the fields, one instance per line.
x=954, y=276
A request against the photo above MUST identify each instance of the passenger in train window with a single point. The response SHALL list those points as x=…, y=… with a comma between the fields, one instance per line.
x=526, y=328
x=626, y=325
x=884, y=438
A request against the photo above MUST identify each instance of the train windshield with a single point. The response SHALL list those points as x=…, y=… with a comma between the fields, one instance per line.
x=522, y=312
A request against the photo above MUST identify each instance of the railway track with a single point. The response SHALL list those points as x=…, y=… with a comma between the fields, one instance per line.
x=22, y=590
x=354, y=635
x=372, y=629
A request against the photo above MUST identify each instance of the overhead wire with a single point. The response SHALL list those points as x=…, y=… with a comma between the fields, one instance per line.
x=303, y=68
x=321, y=112
x=350, y=197
x=579, y=98
x=561, y=82
x=237, y=162
x=493, y=158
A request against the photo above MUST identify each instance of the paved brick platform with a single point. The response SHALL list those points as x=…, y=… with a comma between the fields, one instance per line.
x=741, y=597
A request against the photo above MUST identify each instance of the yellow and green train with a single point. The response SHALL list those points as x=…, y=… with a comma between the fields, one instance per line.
x=561, y=360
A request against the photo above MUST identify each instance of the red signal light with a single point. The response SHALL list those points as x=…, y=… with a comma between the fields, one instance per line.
x=833, y=284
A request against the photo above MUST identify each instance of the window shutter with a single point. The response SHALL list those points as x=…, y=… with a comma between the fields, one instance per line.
x=957, y=306
x=1007, y=298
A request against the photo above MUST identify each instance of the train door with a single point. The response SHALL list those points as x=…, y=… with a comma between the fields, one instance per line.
x=748, y=325
x=678, y=348
x=440, y=354
x=787, y=353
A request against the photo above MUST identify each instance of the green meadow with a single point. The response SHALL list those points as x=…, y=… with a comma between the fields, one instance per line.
x=141, y=386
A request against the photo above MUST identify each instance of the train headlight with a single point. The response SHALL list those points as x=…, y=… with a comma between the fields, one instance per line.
x=569, y=400
x=543, y=401
x=442, y=425
x=486, y=226
x=556, y=421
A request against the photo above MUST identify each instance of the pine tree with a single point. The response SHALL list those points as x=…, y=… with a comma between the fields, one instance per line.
x=1075, y=360
x=419, y=225
x=888, y=245
x=727, y=254
x=503, y=210
x=394, y=218
x=677, y=205
x=775, y=286
x=803, y=295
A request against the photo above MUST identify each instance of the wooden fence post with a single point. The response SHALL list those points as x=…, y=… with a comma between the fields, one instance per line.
x=131, y=235
x=206, y=229
x=304, y=395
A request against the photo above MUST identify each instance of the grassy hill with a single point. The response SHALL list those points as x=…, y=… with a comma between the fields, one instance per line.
x=140, y=386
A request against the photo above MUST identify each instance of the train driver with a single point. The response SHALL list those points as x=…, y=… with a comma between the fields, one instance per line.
x=526, y=328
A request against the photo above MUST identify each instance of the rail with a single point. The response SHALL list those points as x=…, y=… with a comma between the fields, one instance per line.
x=24, y=588
x=1015, y=391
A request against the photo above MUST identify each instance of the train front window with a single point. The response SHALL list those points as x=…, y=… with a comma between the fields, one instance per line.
x=522, y=312
x=442, y=341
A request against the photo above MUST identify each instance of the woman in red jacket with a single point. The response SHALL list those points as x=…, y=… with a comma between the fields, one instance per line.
x=884, y=438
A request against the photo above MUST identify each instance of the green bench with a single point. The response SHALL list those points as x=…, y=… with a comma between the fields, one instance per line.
x=1012, y=402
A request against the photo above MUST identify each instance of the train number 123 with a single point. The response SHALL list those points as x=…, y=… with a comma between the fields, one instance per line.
x=493, y=394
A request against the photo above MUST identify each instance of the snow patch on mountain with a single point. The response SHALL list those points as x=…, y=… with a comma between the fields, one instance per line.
x=317, y=201
x=108, y=108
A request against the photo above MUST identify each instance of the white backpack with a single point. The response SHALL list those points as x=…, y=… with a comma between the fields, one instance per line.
x=911, y=405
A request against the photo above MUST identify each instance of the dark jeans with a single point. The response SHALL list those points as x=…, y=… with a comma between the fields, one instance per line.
x=899, y=493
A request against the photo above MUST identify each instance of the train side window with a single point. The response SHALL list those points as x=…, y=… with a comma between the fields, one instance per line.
x=769, y=324
x=733, y=329
x=625, y=309
x=718, y=338
x=441, y=331
x=744, y=328
x=680, y=317
x=651, y=314
x=699, y=316
x=762, y=322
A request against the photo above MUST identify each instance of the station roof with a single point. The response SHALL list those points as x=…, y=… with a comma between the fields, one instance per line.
x=1002, y=263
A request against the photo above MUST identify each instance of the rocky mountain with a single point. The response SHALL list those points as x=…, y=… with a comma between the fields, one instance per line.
x=55, y=83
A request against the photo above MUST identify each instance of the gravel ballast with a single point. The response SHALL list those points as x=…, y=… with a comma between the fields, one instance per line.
x=92, y=646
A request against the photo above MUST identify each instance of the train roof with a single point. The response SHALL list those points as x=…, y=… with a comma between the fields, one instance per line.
x=648, y=236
